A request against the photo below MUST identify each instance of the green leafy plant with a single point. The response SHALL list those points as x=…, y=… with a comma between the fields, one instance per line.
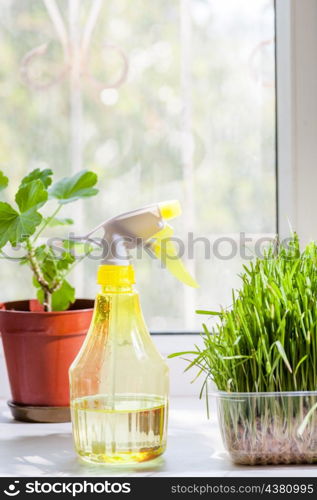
x=23, y=224
x=267, y=342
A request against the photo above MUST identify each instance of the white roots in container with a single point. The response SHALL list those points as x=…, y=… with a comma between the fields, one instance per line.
x=269, y=429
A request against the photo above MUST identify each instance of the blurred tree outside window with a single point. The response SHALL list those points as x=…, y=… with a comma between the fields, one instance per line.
x=162, y=100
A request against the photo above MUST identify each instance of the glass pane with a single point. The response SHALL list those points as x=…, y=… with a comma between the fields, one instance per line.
x=164, y=100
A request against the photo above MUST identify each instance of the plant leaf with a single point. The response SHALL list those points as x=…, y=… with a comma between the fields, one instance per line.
x=62, y=298
x=282, y=352
x=45, y=176
x=56, y=221
x=299, y=363
x=65, y=261
x=15, y=227
x=52, y=264
x=4, y=181
x=209, y=313
x=238, y=356
x=73, y=188
x=175, y=354
x=31, y=195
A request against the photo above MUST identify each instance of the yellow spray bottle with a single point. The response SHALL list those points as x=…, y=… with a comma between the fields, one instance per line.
x=119, y=381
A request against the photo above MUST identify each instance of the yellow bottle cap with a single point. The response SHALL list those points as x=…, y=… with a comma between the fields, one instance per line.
x=109, y=275
x=170, y=209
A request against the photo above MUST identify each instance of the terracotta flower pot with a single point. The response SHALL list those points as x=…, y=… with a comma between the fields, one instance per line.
x=39, y=347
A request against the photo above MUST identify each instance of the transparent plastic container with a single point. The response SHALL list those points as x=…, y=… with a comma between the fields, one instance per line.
x=269, y=427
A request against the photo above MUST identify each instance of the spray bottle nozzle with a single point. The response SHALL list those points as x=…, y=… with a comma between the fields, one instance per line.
x=147, y=227
x=170, y=209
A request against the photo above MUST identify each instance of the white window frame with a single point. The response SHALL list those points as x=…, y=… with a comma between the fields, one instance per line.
x=296, y=47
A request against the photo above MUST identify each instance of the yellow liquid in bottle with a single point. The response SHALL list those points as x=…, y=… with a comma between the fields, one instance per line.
x=128, y=429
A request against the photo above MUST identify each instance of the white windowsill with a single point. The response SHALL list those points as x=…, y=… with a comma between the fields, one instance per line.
x=194, y=449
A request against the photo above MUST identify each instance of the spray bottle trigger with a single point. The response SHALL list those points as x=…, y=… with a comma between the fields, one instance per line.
x=165, y=250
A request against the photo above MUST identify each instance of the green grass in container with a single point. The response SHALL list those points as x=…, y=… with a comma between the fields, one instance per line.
x=267, y=342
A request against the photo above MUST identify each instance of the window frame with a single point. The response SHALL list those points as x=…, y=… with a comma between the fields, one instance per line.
x=296, y=78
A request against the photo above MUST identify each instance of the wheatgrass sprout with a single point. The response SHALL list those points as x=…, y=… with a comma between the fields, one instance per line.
x=267, y=343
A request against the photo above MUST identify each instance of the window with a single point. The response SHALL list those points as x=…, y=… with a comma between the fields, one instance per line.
x=175, y=100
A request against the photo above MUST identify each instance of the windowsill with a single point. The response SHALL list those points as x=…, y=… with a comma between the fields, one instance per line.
x=194, y=449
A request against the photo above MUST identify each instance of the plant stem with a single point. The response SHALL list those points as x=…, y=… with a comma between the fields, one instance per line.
x=46, y=223
x=39, y=276
x=47, y=301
